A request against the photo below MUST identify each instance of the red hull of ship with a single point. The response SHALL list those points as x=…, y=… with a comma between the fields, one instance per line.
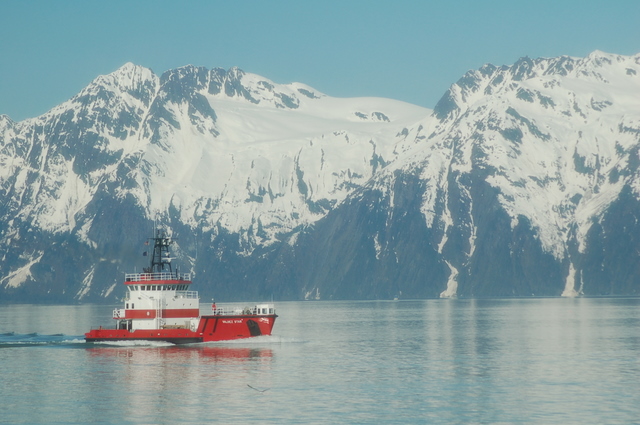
x=210, y=328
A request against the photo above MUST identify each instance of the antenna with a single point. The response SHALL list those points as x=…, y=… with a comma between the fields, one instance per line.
x=161, y=258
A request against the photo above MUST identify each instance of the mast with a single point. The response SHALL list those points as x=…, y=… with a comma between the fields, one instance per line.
x=160, y=258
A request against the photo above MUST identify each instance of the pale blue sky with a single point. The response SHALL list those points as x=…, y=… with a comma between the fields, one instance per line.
x=406, y=50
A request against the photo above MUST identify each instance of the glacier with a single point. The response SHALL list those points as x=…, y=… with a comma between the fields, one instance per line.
x=522, y=181
x=518, y=169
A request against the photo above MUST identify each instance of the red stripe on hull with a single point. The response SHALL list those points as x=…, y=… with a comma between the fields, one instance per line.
x=210, y=328
x=223, y=328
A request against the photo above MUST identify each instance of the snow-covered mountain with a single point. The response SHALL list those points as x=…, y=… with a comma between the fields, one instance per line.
x=523, y=181
x=210, y=151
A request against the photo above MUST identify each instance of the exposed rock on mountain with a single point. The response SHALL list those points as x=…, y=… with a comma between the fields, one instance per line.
x=523, y=181
x=230, y=160
x=527, y=181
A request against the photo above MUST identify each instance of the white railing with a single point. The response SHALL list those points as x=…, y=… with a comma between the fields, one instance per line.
x=186, y=294
x=143, y=277
x=234, y=311
x=228, y=311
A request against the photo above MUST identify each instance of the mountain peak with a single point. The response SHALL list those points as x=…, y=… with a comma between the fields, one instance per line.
x=128, y=75
x=596, y=54
x=129, y=67
x=5, y=120
x=523, y=181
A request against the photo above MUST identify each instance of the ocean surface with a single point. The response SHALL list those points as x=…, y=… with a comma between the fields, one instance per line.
x=542, y=361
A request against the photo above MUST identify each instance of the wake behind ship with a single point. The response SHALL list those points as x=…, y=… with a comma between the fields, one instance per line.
x=159, y=306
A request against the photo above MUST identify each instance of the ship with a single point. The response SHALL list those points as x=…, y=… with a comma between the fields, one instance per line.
x=159, y=305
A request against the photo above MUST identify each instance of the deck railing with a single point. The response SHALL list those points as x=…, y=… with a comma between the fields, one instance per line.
x=224, y=310
x=187, y=294
x=143, y=277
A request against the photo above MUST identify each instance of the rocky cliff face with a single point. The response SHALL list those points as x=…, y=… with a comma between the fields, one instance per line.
x=522, y=185
x=523, y=181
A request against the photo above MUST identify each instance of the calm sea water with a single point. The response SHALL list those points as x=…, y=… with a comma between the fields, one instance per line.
x=546, y=361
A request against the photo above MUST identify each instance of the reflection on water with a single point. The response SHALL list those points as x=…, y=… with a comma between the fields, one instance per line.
x=552, y=361
x=179, y=354
x=173, y=382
